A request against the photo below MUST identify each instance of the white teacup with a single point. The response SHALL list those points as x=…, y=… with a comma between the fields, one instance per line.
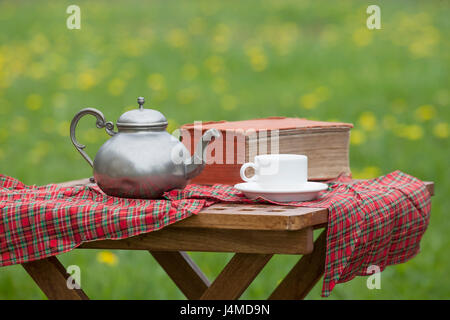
x=277, y=170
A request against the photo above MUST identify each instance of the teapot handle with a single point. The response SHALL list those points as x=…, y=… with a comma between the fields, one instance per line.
x=101, y=123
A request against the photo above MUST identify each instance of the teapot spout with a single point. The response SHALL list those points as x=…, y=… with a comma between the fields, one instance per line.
x=198, y=160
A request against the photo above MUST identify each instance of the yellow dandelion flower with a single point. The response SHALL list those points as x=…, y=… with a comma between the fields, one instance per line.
x=410, y=132
x=4, y=134
x=172, y=125
x=219, y=85
x=187, y=95
x=369, y=172
x=107, y=257
x=156, y=81
x=258, y=62
x=135, y=47
x=4, y=82
x=54, y=61
x=441, y=130
x=229, y=102
x=129, y=108
x=17, y=64
x=372, y=172
x=127, y=72
x=116, y=86
x=221, y=38
x=368, y=121
x=34, y=102
x=19, y=124
x=357, y=137
x=420, y=49
x=215, y=64
x=322, y=93
x=189, y=71
x=425, y=42
x=197, y=26
x=39, y=44
x=425, y=112
x=63, y=128
x=177, y=38
x=414, y=132
x=38, y=152
x=258, y=59
x=86, y=80
x=91, y=135
x=309, y=101
x=362, y=37
x=59, y=100
x=282, y=37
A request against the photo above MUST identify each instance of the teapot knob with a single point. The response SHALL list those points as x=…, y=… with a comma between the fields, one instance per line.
x=141, y=102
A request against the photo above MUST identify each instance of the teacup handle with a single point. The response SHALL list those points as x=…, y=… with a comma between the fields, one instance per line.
x=244, y=167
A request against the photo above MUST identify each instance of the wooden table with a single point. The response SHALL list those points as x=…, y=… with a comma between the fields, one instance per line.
x=253, y=232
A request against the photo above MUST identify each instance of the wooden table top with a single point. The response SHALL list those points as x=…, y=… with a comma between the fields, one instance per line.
x=252, y=216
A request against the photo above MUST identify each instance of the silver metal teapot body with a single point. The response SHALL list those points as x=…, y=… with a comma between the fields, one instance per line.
x=142, y=160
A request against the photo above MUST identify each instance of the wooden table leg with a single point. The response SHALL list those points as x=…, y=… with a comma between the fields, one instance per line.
x=236, y=276
x=304, y=275
x=51, y=277
x=184, y=272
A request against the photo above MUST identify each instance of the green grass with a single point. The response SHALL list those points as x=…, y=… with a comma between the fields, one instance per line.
x=214, y=60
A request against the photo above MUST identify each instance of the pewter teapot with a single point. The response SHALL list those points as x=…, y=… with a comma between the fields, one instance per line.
x=141, y=160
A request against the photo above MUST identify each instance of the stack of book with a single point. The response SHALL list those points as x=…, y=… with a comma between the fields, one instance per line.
x=325, y=143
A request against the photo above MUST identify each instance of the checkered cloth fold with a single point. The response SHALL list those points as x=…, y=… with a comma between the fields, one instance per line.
x=373, y=222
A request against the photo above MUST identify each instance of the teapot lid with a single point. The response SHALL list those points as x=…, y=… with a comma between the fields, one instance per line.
x=142, y=119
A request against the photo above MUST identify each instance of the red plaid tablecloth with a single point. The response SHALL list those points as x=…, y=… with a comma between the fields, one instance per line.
x=373, y=222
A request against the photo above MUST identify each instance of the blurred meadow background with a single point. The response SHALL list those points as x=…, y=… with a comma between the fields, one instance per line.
x=215, y=60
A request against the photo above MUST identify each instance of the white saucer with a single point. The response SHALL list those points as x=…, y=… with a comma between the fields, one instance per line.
x=302, y=192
